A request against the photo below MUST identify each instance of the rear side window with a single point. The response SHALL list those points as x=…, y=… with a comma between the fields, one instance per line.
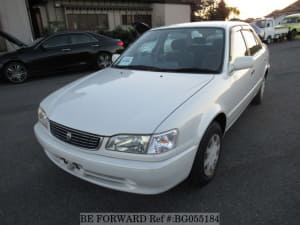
x=238, y=46
x=57, y=41
x=253, y=44
x=82, y=38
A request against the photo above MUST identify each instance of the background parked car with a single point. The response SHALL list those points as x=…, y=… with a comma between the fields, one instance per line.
x=271, y=31
x=57, y=52
x=260, y=32
x=292, y=22
x=123, y=135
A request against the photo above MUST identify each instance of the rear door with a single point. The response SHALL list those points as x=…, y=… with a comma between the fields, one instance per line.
x=84, y=48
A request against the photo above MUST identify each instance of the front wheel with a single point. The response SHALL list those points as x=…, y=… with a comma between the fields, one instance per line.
x=103, y=60
x=15, y=72
x=207, y=157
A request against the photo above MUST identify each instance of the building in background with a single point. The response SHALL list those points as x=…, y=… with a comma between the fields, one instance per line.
x=15, y=19
x=30, y=19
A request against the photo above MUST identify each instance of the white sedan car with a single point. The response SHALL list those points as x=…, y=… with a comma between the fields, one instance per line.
x=159, y=113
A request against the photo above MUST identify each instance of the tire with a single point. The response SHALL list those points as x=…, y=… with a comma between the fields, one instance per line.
x=269, y=40
x=15, y=72
x=292, y=35
x=208, y=155
x=258, y=99
x=103, y=60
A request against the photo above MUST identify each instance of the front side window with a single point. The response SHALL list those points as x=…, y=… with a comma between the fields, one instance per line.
x=57, y=41
x=269, y=23
x=194, y=50
x=238, y=46
x=252, y=43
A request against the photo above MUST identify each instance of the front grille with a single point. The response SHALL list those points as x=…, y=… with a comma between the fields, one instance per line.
x=74, y=137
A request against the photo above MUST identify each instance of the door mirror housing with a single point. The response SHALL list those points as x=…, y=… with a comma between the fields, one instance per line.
x=115, y=57
x=243, y=62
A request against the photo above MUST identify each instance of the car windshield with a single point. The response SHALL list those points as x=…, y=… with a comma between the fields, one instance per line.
x=260, y=23
x=186, y=50
x=291, y=20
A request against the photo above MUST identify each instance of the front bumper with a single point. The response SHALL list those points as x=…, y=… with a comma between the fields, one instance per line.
x=120, y=174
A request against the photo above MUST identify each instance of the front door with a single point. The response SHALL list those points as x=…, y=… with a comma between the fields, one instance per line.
x=237, y=97
x=53, y=54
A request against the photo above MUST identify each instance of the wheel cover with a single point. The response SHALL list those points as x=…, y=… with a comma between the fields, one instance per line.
x=211, y=155
x=16, y=72
x=103, y=60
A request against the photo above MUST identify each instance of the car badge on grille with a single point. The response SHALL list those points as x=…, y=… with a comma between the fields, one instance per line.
x=69, y=136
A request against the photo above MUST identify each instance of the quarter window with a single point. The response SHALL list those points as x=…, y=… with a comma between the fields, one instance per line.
x=238, y=46
x=57, y=41
x=82, y=38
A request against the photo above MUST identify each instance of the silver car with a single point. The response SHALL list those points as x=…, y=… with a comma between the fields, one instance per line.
x=159, y=113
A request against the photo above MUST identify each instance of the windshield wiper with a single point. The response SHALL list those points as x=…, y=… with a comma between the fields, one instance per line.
x=193, y=70
x=138, y=67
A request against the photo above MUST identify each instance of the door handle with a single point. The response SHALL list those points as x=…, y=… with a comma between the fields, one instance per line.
x=66, y=49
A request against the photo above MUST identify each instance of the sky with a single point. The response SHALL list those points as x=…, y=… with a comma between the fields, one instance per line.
x=258, y=8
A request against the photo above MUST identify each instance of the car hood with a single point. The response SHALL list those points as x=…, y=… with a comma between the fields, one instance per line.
x=12, y=39
x=114, y=101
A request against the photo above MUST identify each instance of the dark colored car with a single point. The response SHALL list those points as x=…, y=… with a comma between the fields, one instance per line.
x=57, y=52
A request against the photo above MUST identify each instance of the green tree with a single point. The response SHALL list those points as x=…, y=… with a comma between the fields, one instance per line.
x=200, y=9
x=214, y=10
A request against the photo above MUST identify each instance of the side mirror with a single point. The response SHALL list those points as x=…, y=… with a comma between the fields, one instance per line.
x=243, y=62
x=115, y=57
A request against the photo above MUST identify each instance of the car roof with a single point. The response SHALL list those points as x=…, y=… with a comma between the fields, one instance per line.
x=79, y=32
x=69, y=32
x=293, y=15
x=219, y=24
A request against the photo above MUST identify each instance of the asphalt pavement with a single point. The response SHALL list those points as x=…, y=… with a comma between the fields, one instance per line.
x=258, y=181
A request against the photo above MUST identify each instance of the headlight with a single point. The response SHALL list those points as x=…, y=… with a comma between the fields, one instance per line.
x=43, y=117
x=128, y=143
x=163, y=142
x=143, y=144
